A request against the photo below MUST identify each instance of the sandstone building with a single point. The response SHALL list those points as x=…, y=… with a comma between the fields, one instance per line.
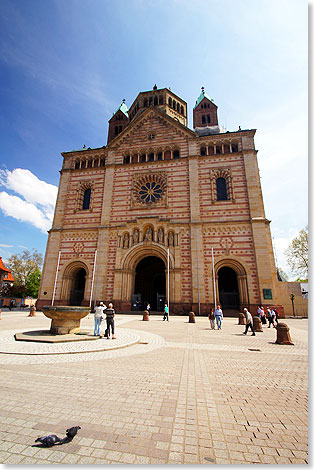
x=160, y=191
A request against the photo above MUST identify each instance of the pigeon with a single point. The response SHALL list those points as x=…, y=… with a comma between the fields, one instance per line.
x=71, y=432
x=49, y=441
x=52, y=439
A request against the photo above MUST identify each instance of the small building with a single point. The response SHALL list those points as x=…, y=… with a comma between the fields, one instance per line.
x=6, y=277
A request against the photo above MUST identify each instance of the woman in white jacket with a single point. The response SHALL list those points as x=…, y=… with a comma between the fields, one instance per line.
x=99, y=316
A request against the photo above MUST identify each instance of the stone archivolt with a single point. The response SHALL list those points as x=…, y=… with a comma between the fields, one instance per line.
x=221, y=173
x=81, y=188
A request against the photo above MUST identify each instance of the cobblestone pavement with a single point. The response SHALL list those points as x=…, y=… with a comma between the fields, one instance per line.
x=182, y=394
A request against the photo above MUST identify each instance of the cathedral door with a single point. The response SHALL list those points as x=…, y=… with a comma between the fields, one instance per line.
x=78, y=287
x=150, y=282
x=228, y=288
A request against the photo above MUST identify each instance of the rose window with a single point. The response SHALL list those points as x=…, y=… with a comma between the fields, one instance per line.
x=150, y=192
x=149, y=189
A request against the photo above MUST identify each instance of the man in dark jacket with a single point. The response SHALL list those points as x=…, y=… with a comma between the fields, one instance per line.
x=110, y=321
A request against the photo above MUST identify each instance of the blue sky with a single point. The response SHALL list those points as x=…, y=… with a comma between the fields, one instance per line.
x=65, y=67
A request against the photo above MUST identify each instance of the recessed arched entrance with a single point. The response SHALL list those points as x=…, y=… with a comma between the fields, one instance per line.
x=78, y=287
x=150, y=284
x=228, y=288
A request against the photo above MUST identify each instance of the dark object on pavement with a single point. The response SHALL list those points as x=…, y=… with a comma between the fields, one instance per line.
x=52, y=439
x=71, y=432
x=49, y=441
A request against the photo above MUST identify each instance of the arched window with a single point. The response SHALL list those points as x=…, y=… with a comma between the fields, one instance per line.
x=77, y=164
x=221, y=187
x=89, y=163
x=170, y=101
x=159, y=156
x=182, y=110
x=156, y=101
x=234, y=147
x=174, y=104
x=203, y=120
x=208, y=118
x=151, y=157
x=203, y=150
x=127, y=159
x=178, y=107
x=176, y=154
x=86, y=199
x=143, y=157
x=161, y=100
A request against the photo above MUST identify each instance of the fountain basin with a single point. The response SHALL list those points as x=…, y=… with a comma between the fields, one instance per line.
x=65, y=319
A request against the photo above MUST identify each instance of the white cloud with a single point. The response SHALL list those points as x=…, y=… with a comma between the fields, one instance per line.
x=2, y=245
x=37, y=201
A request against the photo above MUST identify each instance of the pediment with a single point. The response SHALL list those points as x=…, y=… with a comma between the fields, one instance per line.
x=152, y=127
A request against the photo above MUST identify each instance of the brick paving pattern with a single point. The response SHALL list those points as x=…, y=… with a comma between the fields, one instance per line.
x=190, y=395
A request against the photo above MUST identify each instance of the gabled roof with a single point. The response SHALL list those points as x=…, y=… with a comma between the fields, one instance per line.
x=123, y=107
x=201, y=97
x=8, y=277
x=2, y=267
x=141, y=116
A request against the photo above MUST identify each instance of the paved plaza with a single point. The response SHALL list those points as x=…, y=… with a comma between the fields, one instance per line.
x=162, y=392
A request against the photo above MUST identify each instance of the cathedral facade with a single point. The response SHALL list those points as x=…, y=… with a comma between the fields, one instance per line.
x=162, y=213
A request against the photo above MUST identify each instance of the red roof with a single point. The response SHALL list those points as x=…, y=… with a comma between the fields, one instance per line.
x=8, y=277
x=2, y=267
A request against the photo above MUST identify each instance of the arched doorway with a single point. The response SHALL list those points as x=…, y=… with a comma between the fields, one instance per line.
x=150, y=284
x=228, y=288
x=78, y=287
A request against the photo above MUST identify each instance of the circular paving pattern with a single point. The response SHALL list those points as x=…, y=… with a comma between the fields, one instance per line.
x=128, y=342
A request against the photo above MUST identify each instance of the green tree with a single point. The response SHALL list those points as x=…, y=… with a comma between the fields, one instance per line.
x=297, y=253
x=32, y=283
x=26, y=270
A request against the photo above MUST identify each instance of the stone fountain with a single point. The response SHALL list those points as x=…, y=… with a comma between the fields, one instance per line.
x=65, y=319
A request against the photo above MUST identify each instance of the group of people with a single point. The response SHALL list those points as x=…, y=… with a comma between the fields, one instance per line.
x=216, y=316
x=272, y=317
x=103, y=312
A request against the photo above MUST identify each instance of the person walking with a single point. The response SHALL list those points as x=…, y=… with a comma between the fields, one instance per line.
x=148, y=308
x=263, y=316
x=270, y=318
x=219, y=316
x=166, y=313
x=99, y=316
x=110, y=321
x=249, y=322
x=211, y=318
x=276, y=315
